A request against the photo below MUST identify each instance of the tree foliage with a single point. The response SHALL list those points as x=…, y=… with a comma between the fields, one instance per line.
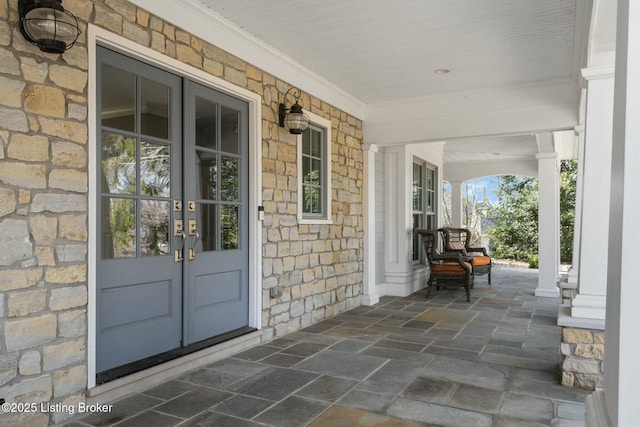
x=515, y=233
x=568, y=175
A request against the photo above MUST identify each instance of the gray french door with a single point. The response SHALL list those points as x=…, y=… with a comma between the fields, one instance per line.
x=172, y=196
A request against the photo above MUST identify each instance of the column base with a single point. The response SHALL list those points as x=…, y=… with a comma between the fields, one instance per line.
x=546, y=292
x=596, y=406
x=370, y=299
x=589, y=306
x=572, y=276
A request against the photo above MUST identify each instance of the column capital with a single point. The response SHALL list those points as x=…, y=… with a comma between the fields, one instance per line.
x=546, y=156
x=601, y=72
x=370, y=147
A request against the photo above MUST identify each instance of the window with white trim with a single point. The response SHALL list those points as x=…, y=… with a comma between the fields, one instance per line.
x=314, y=172
x=423, y=202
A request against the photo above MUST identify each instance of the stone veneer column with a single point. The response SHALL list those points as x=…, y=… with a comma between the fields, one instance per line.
x=456, y=204
x=369, y=294
x=592, y=285
x=548, y=217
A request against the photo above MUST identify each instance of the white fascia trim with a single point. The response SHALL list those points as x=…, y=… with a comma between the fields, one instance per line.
x=105, y=38
x=213, y=28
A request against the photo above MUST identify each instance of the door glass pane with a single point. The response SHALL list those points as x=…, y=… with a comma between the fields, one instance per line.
x=229, y=175
x=207, y=228
x=208, y=174
x=154, y=109
x=230, y=133
x=229, y=227
x=155, y=170
x=118, y=164
x=118, y=228
x=154, y=227
x=205, y=123
x=118, y=104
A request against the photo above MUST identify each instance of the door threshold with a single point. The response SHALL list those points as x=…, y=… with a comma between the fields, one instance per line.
x=160, y=373
x=158, y=359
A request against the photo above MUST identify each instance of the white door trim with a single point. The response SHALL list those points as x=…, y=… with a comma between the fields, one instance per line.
x=95, y=36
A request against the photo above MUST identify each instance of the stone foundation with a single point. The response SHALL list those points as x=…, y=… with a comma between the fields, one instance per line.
x=583, y=358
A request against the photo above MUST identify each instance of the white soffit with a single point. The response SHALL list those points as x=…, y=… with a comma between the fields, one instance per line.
x=196, y=19
x=385, y=50
x=364, y=56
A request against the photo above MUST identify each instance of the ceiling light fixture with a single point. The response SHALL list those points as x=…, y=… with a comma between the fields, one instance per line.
x=293, y=119
x=47, y=25
x=441, y=71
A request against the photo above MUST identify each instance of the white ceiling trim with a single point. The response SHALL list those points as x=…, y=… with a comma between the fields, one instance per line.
x=527, y=95
x=464, y=171
x=212, y=28
x=513, y=121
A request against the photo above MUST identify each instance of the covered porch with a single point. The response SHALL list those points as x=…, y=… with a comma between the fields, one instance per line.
x=403, y=361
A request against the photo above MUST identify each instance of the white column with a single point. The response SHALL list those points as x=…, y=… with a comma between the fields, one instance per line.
x=577, y=218
x=548, y=218
x=456, y=204
x=594, y=233
x=397, y=221
x=622, y=346
x=369, y=294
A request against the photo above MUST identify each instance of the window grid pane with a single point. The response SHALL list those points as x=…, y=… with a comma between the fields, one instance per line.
x=313, y=165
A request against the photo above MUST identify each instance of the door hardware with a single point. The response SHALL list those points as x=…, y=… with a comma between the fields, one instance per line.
x=192, y=249
x=193, y=228
x=177, y=255
x=178, y=227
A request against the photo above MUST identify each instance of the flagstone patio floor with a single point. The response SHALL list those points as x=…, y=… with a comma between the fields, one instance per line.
x=404, y=362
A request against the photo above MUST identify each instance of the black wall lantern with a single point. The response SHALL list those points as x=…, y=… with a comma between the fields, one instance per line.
x=46, y=24
x=293, y=119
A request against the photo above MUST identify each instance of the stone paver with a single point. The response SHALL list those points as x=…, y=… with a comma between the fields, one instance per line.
x=403, y=362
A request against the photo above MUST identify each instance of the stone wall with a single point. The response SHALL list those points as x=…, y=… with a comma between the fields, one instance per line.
x=43, y=204
x=583, y=358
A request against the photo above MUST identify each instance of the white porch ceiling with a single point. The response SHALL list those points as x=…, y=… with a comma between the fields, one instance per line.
x=388, y=50
x=514, y=64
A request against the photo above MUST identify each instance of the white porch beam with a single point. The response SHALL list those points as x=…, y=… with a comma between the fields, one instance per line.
x=464, y=171
x=518, y=110
x=594, y=234
x=548, y=217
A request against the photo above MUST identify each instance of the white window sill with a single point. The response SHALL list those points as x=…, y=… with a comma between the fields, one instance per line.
x=314, y=221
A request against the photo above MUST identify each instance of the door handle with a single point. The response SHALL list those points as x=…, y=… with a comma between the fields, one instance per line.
x=192, y=249
x=177, y=255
